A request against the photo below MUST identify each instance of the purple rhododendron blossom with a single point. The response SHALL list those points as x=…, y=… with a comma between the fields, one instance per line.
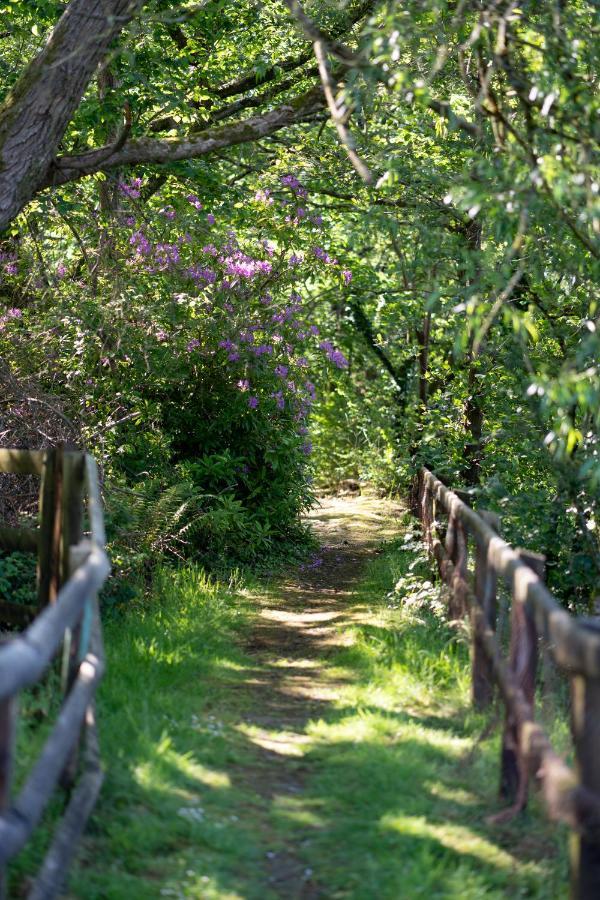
x=194, y=201
x=131, y=188
x=334, y=356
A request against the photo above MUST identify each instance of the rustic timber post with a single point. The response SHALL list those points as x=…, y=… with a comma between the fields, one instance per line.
x=523, y=665
x=486, y=587
x=585, y=727
x=49, y=574
x=71, y=535
x=459, y=558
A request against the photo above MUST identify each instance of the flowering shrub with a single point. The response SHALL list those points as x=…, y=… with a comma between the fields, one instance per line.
x=194, y=362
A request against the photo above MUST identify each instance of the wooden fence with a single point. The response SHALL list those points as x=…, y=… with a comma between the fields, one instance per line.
x=71, y=569
x=537, y=623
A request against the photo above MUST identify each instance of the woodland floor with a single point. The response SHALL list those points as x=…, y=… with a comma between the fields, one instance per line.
x=303, y=737
x=300, y=628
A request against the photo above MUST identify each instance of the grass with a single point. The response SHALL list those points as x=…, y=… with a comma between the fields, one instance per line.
x=396, y=786
x=399, y=778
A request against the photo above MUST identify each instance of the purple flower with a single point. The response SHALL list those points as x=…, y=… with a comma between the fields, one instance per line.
x=252, y=402
x=233, y=357
x=131, y=189
x=192, y=345
x=15, y=313
x=140, y=242
x=168, y=212
x=347, y=276
x=200, y=273
x=334, y=356
x=243, y=384
x=281, y=371
x=290, y=181
x=194, y=201
x=263, y=197
x=307, y=450
x=210, y=219
x=294, y=260
x=313, y=330
x=61, y=270
x=279, y=399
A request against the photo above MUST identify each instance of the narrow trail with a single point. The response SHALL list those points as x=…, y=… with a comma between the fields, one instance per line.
x=300, y=626
x=305, y=738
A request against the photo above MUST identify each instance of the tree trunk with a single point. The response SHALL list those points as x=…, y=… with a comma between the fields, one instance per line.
x=37, y=112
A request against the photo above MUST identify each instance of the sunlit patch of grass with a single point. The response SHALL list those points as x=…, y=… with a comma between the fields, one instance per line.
x=404, y=783
x=385, y=793
x=168, y=823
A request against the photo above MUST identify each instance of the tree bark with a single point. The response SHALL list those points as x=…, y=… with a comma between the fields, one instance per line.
x=37, y=112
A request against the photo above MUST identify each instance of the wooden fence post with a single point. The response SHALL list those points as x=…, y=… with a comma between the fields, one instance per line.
x=585, y=727
x=426, y=515
x=49, y=574
x=523, y=665
x=486, y=586
x=71, y=535
x=459, y=557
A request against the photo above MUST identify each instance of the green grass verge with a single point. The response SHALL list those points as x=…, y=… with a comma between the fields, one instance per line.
x=401, y=780
x=167, y=810
x=396, y=785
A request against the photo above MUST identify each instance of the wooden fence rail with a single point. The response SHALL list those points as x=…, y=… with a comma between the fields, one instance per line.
x=70, y=570
x=536, y=618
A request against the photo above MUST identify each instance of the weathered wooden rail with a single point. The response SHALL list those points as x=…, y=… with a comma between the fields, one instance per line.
x=537, y=621
x=72, y=566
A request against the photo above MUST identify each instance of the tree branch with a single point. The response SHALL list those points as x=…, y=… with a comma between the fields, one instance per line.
x=251, y=80
x=37, y=111
x=149, y=150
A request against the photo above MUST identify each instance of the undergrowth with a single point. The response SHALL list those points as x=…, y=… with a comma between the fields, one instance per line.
x=404, y=774
x=397, y=775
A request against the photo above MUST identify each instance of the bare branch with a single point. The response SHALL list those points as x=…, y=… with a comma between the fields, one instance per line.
x=149, y=150
x=339, y=114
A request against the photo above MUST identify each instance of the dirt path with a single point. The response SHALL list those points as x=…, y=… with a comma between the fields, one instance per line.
x=299, y=627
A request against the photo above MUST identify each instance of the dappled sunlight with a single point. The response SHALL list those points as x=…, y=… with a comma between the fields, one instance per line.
x=452, y=836
x=283, y=743
x=452, y=794
x=304, y=812
x=325, y=754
